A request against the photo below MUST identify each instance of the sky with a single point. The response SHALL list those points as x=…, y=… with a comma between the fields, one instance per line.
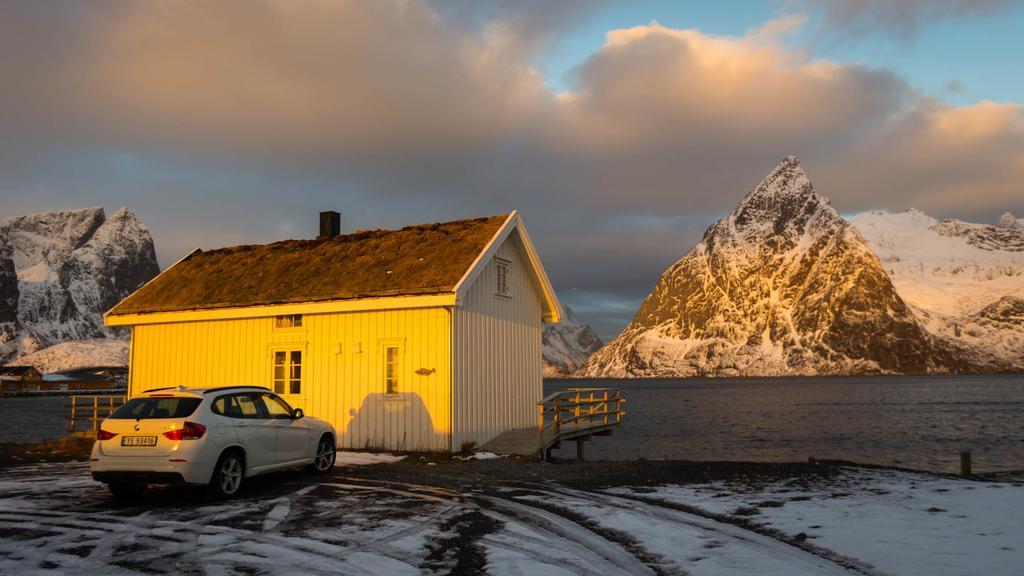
x=620, y=130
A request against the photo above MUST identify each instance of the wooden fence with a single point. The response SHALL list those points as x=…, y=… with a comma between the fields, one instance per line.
x=578, y=413
x=88, y=411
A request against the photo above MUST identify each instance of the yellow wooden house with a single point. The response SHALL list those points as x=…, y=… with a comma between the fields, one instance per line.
x=423, y=338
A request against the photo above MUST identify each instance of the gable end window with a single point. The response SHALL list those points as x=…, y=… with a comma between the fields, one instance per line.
x=288, y=321
x=503, y=268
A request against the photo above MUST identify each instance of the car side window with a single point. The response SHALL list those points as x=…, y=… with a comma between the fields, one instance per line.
x=219, y=405
x=276, y=407
x=236, y=406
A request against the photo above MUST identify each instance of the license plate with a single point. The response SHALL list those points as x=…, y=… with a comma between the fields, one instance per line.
x=138, y=441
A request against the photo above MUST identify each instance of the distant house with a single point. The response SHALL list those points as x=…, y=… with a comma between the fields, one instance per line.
x=21, y=373
x=81, y=382
x=96, y=377
x=18, y=379
x=27, y=379
x=423, y=338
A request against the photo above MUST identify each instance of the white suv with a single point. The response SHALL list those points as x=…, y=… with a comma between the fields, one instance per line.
x=213, y=437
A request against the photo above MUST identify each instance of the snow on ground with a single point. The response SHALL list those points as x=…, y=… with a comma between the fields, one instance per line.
x=77, y=354
x=479, y=456
x=901, y=523
x=55, y=519
x=365, y=458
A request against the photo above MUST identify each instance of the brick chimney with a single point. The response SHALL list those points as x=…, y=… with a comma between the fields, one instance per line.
x=330, y=224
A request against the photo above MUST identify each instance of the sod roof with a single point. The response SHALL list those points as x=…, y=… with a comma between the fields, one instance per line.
x=416, y=260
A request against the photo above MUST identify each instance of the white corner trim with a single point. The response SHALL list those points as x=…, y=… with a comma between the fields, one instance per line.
x=484, y=256
x=514, y=221
x=555, y=313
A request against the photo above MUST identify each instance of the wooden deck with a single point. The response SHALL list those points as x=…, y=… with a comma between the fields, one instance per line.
x=576, y=414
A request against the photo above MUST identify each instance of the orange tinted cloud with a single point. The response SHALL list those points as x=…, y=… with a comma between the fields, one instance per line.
x=395, y=114
x=346, y=76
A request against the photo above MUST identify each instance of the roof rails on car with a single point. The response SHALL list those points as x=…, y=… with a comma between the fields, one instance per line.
x=222, y=388
x=179, y=388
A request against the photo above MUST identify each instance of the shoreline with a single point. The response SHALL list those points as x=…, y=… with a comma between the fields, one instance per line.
x=589, y=474
x=716, y=378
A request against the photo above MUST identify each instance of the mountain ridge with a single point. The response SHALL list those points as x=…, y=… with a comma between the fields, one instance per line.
x=783, y=285
x=566, y=345
x=68, y=268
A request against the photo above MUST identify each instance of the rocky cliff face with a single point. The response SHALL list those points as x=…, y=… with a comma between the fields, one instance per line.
x=69, y=268
x=8, y=302
x=567, y=345
x=783, y=285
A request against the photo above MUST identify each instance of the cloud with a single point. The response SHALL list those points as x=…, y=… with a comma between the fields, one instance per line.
x=350, y=77
x=900, y=18
x=523, y=27
x=227, y=122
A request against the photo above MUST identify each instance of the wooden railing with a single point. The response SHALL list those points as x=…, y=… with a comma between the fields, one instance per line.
x=577, y=410
x=88, y=411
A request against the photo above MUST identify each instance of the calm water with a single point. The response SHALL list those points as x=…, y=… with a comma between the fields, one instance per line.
x=916, y=422
x=33, y=419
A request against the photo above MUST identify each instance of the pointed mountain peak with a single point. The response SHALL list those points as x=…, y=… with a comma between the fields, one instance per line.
x=787, y=178
x=790, y=162
x=785, y=201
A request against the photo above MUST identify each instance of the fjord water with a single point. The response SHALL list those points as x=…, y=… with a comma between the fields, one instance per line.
x=920, y=422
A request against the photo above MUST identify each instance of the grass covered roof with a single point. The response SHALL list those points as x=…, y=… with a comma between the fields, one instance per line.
x=423, y=259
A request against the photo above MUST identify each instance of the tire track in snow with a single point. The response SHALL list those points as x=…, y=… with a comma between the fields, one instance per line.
x=211, y=545
x=210, y=538
x=598, y=553
x=819, y=560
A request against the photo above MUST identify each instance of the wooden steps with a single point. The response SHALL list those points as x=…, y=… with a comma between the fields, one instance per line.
x=521, y=442
x=576, y=414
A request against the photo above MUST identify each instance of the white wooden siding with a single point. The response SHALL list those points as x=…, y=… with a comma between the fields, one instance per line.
x=346, y=389
x=496, y=364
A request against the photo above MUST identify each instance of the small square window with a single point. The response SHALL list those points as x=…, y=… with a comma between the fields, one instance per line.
x=288, y=321
x=504, y=277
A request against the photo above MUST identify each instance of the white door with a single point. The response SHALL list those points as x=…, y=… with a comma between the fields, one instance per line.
x=293, y=435
x=255, y=430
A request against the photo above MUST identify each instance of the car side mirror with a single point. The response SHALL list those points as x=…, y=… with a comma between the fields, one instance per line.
x=298, y=413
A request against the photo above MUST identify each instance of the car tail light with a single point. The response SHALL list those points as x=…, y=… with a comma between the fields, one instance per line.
x=190, y=431
x=104, y=435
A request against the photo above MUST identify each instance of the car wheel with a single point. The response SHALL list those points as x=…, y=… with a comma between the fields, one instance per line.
x=227, y=476
x=326, y=452
x=124, y=491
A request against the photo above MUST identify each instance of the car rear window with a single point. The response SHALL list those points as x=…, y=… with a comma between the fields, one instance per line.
x=149, y=408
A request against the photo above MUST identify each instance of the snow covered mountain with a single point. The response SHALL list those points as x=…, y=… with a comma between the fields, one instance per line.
x=79, y=354
x=783, y=285
x=566, y=345
x=69, y=267
x=964, y=281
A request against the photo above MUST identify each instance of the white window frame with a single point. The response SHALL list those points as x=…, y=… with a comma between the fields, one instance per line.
x=288, y=322
x=503, y=277
x=289, y=378
x=398, y=377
